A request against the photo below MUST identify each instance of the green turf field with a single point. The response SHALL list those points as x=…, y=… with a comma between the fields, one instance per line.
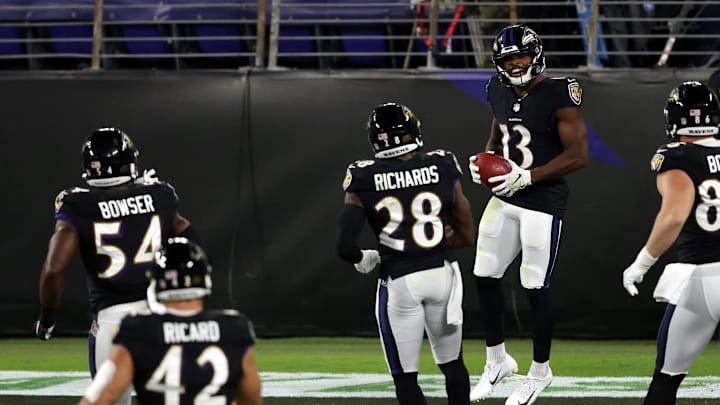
x=578, y=358
x=581, y=358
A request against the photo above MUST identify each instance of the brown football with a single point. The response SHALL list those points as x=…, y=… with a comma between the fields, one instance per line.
x=491, y=165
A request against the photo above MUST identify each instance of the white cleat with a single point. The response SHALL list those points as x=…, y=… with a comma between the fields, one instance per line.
x=491, y=377
x=530, y=389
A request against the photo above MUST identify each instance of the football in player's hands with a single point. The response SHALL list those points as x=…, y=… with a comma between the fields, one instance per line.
x=491, y=165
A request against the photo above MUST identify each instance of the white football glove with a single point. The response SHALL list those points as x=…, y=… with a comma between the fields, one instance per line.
x=517, y=179
x=370, y=259
x=474, y=170
x=635, y=273
x=148, y=177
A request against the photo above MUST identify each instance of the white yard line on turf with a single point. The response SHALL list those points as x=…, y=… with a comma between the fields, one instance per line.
x=318, y=385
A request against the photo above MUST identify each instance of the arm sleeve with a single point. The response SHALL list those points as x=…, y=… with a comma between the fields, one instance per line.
x=352, y=221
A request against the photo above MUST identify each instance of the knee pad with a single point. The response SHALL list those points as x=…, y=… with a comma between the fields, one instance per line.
x=486, y=265
x=532, y=276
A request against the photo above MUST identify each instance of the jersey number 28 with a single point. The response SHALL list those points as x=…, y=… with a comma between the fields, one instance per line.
x=427, y=228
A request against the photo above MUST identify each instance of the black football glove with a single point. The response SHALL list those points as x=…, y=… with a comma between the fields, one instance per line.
x=43, y=332
x=45, y=325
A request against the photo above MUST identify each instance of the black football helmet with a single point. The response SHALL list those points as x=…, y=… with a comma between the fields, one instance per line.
x=692, y=109
x=393, y=131
x=109, y=158
x=181, y=271
x=518, y=40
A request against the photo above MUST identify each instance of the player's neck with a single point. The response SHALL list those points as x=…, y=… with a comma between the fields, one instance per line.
x=702, y=139
x=523, y=91
x=186, y=307
x=407, y=156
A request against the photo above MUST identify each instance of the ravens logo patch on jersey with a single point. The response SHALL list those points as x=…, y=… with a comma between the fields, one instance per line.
x=575, y=92
x=348, y=180
x=656, y=162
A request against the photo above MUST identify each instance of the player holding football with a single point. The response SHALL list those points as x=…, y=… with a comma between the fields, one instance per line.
x=538, y=128
x=116, y=223
x=688, y=179
x=180, y=353
x=415, y=204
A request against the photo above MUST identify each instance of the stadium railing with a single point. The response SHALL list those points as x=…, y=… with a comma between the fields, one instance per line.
x=347, y=34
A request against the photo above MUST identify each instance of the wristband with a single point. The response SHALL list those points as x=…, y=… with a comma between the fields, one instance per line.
x=644, y=259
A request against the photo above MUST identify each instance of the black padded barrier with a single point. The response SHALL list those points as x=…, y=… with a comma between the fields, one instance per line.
x=258, y=159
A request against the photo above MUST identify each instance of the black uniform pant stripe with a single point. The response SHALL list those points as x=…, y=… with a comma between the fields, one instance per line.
x=388, y=339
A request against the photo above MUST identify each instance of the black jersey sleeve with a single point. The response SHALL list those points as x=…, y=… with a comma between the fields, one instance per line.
x=173, y=198
x=243, y=332
x=131, y=331
x=668, y=157
x=66, y=203
x=448, y=162
x=357, y=177
x=492, y=90
x=566, y=92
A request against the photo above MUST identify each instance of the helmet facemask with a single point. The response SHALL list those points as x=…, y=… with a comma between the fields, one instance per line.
x=518, y=40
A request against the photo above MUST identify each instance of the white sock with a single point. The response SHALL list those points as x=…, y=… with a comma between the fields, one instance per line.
x=539, y=370
x=495, y=354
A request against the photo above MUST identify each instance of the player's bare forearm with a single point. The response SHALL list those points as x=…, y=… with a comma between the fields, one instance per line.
x=250, y=386
x=573, y=135
x=563, y=164
x=62, y=247
x=462, y=229
x=664, y=232
x=678, y=196
x=52, y=285
x=493, y=143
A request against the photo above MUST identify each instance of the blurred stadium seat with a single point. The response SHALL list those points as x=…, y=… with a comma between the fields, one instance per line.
x=71, y=39
x=146, y=39
x=229, y=40
x=10, y=41
x=364, y=41
x=295, y=40
x=345, y=33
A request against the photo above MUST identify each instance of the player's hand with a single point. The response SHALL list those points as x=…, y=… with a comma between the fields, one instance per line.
x=149, y=176
x=474, y=170
x=517, y=179
x=43, y=332
x=635, y=273
x=370, y=259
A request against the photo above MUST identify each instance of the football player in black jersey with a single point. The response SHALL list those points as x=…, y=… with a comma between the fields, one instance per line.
x=177, y=352
x=416, y=207
x=538, y=129
x=116, y=223
x=688, y=179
